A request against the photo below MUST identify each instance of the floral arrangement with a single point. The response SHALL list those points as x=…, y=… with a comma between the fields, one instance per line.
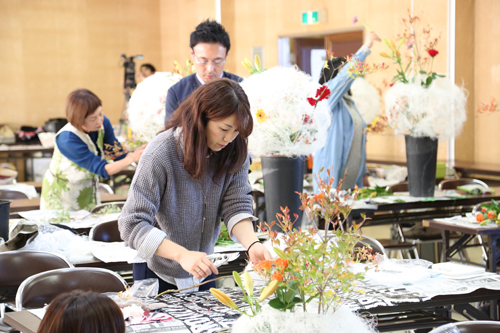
x=489, y=212
x=146, y=110
x=366, y=98
x=186, y=71
x=420, y=101
x=291, y=116
x=378, y=125
x=311, y=265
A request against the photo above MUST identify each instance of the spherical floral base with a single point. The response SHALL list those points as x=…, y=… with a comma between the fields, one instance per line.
x=146, y=111
x=289, y=117
x=270, y=320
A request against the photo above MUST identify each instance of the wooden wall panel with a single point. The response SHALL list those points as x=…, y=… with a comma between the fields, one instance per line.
x=50, y=47
x=178, y=20
x=486, y=79
x=464, y=75
x=261, y=22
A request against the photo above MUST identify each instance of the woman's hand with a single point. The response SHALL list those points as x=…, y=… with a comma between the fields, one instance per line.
x=372, y=36
x=259, y=252
x=197, y=264
x=136, y=155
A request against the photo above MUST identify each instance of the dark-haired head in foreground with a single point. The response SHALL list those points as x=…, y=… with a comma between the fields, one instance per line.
x=82, y=312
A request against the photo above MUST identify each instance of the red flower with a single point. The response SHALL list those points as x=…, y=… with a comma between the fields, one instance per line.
x=323, y=93
x=484, y=209
x=392, y=84
x=433, y=52
x=307, y=119
x=311, y=101
x=479, y=218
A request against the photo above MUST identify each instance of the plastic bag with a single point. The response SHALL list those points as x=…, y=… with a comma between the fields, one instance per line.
x=143, y=288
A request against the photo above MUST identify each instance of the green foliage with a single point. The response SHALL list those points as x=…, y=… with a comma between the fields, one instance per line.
x=378, y=191
x=315, y=265
x=224, y=238
x=86, y=198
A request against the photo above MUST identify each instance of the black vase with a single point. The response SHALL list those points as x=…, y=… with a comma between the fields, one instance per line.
x=4, y=219
x=421, y=159
x=283, y=177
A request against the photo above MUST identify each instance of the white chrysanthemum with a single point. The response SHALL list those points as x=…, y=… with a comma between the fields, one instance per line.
x=288, y=125
x=146, y=111
x=437, y=111
x=366, y=99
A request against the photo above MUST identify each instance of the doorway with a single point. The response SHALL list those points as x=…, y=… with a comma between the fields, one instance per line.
x=308, y=52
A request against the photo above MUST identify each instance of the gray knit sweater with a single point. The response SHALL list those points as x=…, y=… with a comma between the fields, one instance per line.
x=164, y=201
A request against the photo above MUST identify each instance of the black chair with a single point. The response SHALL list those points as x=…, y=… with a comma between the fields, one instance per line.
x=42, y=288
x=374, y=244
x=12, y=194
x=479, y=326
x=17, y=266
x=105, y=232
x=417, y=234
x=105, y=188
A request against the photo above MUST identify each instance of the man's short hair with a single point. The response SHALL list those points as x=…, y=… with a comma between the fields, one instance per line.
x=210, y=32
x=150, y=67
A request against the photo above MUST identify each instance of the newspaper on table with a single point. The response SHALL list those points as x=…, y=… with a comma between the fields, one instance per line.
x=161, y=327
x=202, y=313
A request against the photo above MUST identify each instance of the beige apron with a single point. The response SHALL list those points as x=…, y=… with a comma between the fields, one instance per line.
x=67, y=186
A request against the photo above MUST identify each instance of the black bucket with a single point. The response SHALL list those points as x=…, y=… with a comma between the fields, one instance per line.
x=4, y=219
x=421, y=160
x=283, y=177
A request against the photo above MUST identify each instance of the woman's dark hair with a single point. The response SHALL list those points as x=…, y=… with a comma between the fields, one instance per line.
x=215, y=100
x=210, y=32
x=80, y=104
x=82, y=312
x=150, y=67
x=333, y=69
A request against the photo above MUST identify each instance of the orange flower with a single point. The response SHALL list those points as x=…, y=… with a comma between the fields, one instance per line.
x=479, y=218
x=277, y=276
x=484, y=209
x=491, y=215
x=318, y=197
x=282, y=263
x=263, y=265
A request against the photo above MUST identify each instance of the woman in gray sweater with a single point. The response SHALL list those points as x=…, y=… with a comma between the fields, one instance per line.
x=191, y=176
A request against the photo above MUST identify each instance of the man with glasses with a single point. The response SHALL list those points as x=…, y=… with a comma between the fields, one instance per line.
x=209, y=48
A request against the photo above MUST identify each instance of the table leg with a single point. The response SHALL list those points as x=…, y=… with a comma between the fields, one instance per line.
x=446, y=245
x=494, y=255
x=493, y=252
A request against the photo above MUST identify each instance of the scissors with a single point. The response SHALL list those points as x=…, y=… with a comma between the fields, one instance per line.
x=220, y=259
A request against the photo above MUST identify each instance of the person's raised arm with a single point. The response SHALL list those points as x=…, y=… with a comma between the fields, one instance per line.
x=340, y=84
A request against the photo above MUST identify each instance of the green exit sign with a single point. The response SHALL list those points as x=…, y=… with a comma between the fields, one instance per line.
x=314, y=17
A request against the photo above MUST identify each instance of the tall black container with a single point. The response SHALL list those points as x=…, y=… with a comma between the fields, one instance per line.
x=4, y=219
x=421, y=159
x=283, y=177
